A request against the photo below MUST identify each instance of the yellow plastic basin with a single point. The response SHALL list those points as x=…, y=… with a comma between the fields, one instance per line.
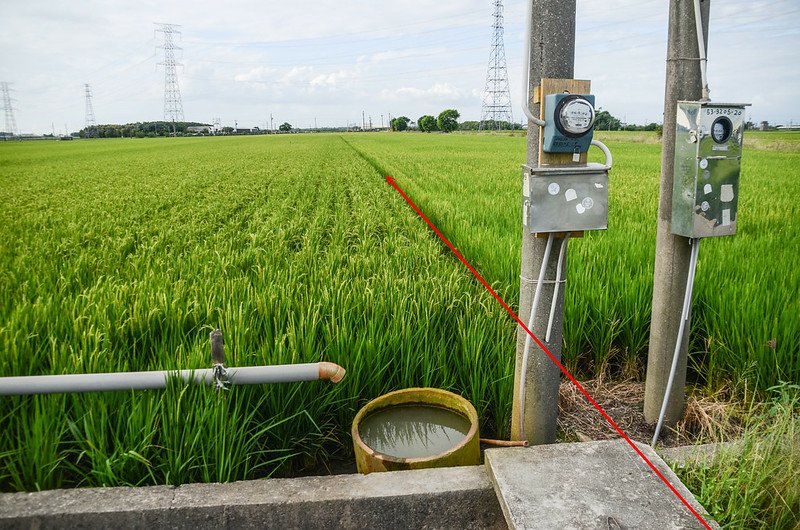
x=454, y=441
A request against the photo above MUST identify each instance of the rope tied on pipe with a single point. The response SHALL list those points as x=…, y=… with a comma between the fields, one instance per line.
x=544, y=282
x=221, y=381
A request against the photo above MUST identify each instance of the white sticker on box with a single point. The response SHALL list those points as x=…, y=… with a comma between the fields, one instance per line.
x=587, y=202
x=579, y=207
x=726, y=217
x=707, y=189
x=553, y=188
x=599, y=185
x=570, y=195
x=726, y=193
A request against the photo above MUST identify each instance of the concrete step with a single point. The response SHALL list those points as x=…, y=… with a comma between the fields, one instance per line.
x=593, y=485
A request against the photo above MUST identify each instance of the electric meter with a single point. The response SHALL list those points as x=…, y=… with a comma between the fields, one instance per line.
x=569, y=123
x=708, y=152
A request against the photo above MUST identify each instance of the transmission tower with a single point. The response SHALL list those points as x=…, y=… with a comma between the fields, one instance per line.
x=173, y=107
x=11, y=123
x=496, y=96
x=90, y=121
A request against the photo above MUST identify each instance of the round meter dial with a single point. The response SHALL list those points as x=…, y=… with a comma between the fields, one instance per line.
x=574, y=116
x=721, y=129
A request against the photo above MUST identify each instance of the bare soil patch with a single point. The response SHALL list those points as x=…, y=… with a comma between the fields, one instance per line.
x=706, y=419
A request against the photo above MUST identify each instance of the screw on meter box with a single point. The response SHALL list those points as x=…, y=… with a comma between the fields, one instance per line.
x=708, y=153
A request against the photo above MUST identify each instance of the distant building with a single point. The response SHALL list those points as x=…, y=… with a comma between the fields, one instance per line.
x=199, y=129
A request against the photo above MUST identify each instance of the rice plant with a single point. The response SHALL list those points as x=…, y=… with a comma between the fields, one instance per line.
x=746, y=323
x=123, y=254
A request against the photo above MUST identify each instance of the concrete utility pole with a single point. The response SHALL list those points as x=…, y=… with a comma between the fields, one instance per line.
x=683, y=82
x=552, y=56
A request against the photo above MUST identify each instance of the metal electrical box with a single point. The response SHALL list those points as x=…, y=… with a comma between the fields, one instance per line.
x=569, y=123
x=708, y=152
x=565, y=198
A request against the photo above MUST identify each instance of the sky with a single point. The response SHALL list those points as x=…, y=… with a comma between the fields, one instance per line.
x=324, y=62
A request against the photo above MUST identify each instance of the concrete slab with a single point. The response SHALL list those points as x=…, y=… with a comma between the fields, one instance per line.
x=594, y=485
x=457, y=498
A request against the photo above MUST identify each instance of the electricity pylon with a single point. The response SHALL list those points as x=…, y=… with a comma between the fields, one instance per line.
x=496, y=110
x=173, y=107
x=11, y=123
x=91, y=123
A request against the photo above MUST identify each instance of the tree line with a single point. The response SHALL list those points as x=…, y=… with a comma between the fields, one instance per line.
x=147, y=129
x=447, y=121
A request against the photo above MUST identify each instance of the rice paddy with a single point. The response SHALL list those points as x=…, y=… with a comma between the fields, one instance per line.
x=123, y=254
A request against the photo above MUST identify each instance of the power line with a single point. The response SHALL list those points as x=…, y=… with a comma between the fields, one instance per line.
x=173, y=106
x=381, y=34
x=496, y=96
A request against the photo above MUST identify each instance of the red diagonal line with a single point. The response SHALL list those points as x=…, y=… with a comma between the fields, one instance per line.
x=583, y=391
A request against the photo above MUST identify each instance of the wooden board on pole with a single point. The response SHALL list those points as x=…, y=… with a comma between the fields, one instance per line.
x=557, y=86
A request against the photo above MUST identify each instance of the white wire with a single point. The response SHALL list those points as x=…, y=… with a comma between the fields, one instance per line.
x=561, y=254
x=701, y=48
x=687, y=302
x=525, y=352
x=526, y=68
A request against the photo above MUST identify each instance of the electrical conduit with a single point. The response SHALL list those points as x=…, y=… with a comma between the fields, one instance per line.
x=687, y=302
x=701, y=49
x=561, y=254
x=526, y=66
x=527, y=349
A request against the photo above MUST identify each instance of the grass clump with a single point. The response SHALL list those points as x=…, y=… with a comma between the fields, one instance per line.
x=754, y=483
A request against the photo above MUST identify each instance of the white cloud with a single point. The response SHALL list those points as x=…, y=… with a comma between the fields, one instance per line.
x=334, y=79
x=259, y=75
x=436, y=92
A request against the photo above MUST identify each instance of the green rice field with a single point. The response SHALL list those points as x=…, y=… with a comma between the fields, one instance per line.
x=124, y=254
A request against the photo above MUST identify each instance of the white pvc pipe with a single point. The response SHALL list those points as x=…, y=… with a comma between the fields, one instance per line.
x=606, y=151
x=527, y=349
x=561, y=253
x=687, y=302
x=526, y=68
x=701, y=45
x=104, y=382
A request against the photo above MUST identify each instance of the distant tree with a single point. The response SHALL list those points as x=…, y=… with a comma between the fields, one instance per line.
x=400, y=123
x=604, y=121
x=285, y=127
x=448, y=120
x=427, y=123
x=468, y=125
